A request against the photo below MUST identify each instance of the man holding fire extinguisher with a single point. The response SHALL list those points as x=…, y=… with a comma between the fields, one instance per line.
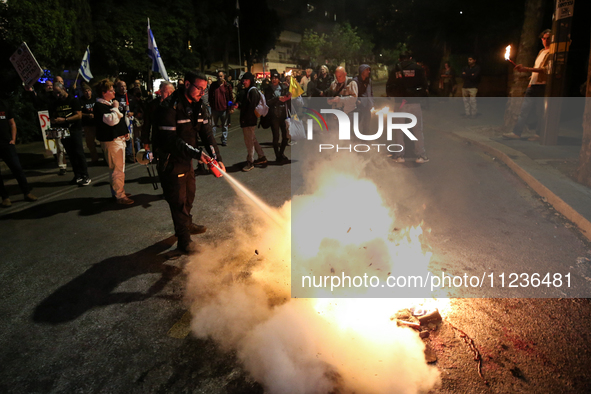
x=179, y=120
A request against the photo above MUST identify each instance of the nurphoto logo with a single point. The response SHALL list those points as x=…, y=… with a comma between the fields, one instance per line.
x=390, y=119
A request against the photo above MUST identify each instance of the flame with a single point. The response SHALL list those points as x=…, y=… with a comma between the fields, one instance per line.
x=288, y=74
x=508, y=52
x=383, y=111
x=344, y=239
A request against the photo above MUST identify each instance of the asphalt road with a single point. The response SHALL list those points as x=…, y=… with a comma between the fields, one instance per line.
x=92, y=293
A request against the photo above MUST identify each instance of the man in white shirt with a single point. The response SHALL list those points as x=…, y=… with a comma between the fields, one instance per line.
x=537, y=87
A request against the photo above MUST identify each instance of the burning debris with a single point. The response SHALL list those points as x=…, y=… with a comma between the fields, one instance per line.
x=315, y=345
x=424, y=321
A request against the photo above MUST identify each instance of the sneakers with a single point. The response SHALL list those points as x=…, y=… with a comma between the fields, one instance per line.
x=30, y=197
x=260, y=161
x=62, y=171
x=399, y=159
x=422, y=159
x=125, y=201
x=249, y=166
x=534, y=138
x=511, y=136
x=6, y=202
x=84, y=181
x=197, y=228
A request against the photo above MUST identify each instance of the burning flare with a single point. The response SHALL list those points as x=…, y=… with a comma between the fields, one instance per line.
x=508, y=55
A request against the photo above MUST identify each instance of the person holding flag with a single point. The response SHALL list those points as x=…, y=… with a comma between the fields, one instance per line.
x=154, y=54
x=83, y=70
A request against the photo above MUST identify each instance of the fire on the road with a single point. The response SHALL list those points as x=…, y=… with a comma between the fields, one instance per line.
x=314, y=345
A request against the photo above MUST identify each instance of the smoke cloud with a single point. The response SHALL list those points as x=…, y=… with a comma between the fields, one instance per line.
x=239, y=293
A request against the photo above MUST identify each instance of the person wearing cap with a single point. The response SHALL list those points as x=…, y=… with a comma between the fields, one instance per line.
x=113, y=134
x=247, y=102
x=277, y=94
x=180, y=119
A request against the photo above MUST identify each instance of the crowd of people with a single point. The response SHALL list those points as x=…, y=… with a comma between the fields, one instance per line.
x=123, y=120
x=171, y=125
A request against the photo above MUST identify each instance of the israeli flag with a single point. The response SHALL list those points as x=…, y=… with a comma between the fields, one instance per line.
x=154, y=54
x=85, y=66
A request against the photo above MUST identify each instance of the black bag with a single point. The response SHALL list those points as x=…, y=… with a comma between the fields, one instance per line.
x=265, y=121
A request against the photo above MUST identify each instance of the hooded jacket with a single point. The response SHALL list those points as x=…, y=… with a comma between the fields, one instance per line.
x=364, y=89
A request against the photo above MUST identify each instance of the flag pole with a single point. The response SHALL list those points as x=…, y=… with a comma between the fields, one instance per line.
x=76, y=80
x=239, y=51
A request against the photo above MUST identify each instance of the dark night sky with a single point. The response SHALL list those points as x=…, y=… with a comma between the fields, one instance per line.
x=482, y=27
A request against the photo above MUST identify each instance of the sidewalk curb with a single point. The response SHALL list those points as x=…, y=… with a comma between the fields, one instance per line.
x=502, y=152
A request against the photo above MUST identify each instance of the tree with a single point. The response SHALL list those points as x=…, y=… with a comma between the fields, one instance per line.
x=311, y=47
x=584, y=168
x=391, y=56
x=343, y=44
x=57, y=36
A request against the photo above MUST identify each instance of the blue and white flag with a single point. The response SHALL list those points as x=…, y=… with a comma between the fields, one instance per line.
x=85, y=66
x=154, y=54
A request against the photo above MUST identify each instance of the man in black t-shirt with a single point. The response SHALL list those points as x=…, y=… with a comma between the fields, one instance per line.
x=10, y=157
x=67, y=113
x=87, y=102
